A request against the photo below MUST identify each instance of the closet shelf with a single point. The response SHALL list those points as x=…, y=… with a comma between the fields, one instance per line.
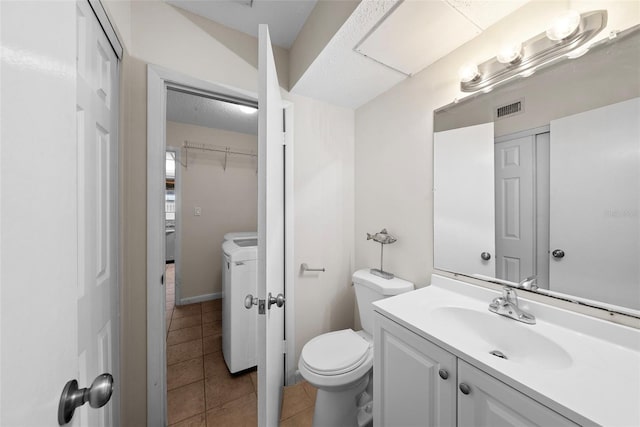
x=189, y=145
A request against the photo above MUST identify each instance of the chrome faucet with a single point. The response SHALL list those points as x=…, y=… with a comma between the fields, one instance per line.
x=507, y=305
x=529, y=284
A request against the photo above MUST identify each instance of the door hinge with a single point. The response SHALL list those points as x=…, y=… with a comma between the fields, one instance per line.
x=162, y=280
x=284, y=346
x=284, y=121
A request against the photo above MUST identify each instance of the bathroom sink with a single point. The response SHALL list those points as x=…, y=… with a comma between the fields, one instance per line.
x=504, y=338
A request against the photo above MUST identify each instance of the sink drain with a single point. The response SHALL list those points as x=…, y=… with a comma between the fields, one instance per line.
x=498, y=353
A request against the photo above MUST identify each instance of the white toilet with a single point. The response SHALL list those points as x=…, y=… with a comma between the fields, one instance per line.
x=339, y=364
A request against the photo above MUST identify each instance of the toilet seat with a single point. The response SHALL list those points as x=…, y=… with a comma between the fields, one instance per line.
x=335, y=353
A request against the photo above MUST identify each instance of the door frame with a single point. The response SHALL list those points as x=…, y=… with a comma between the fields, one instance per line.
x=177, y=254
x=158, y=80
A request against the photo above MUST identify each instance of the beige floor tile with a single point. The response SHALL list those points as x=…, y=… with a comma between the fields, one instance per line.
x=184, y=373
x=199, y=420
x=212, y=329
x=214, y=365
x=301, y=419
x=311, y=390
x=185, y=402
x=295, y=399
x=208, y=306
x=184, y=335
x=241, y=412
x=187, y=310
x=167, y=317
x=184, y=351
x=185, y=322
x=220, y=389
x=212, y=344
x=211, y=316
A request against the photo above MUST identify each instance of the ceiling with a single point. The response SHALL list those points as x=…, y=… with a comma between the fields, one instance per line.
x=386, y=41
x=200, y=111
x=284, y=17
x=382, y=43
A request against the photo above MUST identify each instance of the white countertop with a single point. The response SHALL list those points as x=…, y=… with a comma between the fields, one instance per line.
x=593, y=378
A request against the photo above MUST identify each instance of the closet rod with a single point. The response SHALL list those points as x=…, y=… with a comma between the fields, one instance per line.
x=226, y=150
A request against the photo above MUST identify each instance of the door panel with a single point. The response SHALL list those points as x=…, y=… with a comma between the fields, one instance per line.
x=411, y=389
x=58, y=216
x=594, y=207
x=38, y=224
x=515, y=242
x=464, y=219
x=97, y=210
x=270, y=234
x=491, y=403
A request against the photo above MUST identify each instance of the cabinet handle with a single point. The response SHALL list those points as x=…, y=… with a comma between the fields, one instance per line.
x=443, y=374
x=464, y=388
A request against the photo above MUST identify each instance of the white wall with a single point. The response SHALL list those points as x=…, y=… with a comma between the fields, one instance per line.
x=393, y=163
x=323, y=193
x=228, y=200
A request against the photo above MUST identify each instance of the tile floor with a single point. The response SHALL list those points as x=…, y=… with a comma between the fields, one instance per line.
x=200, y=390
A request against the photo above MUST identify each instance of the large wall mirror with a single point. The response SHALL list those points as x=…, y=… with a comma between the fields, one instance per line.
x=541, y=177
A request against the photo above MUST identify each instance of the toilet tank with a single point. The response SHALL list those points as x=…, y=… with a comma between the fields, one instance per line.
x=370, y=288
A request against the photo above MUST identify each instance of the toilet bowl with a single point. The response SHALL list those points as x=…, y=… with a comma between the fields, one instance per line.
x=340, y=363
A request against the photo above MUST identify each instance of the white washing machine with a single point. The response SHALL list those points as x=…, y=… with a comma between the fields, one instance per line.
x=235, y=235
x=239, y=325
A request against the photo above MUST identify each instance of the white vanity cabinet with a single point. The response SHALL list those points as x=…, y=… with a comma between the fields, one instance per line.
x=485, y=401
x=417, y=383
x=414, y=380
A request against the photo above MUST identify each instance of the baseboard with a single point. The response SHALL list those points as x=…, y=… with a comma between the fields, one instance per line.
x=200, y=298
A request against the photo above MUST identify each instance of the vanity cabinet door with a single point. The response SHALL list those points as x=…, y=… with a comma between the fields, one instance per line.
x=414, y=380
x=486, y=401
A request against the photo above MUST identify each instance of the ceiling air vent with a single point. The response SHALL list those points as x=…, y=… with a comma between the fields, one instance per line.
x=511, y=109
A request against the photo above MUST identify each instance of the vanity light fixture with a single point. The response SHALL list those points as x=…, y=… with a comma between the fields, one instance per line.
x=468, y=73
x=565, y=37
x=510, y=53
x=563, y=25
x=247, y=109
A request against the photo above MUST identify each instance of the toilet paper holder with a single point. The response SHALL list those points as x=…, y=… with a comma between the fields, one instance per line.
x=305, y=267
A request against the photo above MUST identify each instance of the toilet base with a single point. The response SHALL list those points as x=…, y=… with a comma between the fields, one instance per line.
x=339, y=408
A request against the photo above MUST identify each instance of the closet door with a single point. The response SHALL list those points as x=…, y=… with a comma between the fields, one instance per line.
x=463, y=197
x=594, y=204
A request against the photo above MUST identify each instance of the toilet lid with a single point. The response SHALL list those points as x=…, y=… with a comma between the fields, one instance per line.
x=335, y=353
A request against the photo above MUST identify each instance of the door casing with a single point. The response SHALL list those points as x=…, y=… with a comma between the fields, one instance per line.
x=158, y=80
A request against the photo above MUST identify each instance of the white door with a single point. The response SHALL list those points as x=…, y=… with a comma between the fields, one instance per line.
x=57, y=217
x=97, y=112
x=463, y=212
x=594, y=204
x=270, y=235
x=515, y=227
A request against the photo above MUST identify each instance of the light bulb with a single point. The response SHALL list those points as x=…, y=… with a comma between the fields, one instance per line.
x=510, y=53
x=468, y=73
x=563, y=25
